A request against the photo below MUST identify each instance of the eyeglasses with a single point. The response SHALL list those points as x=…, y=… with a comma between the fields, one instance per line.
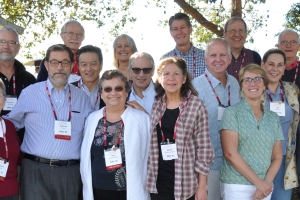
x=138, y=70
x=117, y=89
x=64, y=63
x=285, y=43
x=233, y=32
x=248, y=81
x=78, y=35
x=10, y=43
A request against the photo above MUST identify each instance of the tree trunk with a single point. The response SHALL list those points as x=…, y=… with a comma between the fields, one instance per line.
x=236, y=8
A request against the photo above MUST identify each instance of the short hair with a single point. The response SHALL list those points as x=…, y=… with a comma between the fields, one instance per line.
x=288, y=30
x=253, y=68
x=63, y=28
x=8, y=28
x=273, y=51
x=179, y=62
x=131, y=44
x=140, y=55
x=3, y=88
x=218, y=40
x=110, y=74
x=91, y=49
x=180, y=16
x=59, y=47
x=233, y=19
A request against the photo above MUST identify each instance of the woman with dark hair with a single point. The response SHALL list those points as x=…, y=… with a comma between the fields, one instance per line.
x=180, y=149
x=115, y=145
x=282, y=98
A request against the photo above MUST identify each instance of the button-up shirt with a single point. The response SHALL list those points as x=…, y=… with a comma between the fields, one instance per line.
x=94, y=95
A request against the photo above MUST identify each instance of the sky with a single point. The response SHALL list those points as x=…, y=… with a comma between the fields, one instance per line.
x=156, y=40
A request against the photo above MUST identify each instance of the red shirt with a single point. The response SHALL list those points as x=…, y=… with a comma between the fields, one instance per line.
x=75, y=69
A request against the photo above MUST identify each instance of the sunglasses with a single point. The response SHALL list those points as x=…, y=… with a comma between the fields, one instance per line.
x=138, y=70
x=117, y=89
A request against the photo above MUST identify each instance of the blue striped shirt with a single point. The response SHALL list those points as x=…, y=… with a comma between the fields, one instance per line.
x=33, y=111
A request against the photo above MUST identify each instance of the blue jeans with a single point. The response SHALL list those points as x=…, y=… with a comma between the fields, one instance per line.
x=279, y=193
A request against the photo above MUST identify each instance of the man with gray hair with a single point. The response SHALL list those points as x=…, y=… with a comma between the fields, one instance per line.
x=141, y=68
x=72, y=34
x=218, y=90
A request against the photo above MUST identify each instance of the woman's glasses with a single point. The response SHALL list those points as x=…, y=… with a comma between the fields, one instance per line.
x=117, y=89
x=248, y=81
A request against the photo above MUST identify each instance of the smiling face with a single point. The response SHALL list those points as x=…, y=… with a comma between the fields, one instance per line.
x=181, y=32
x=123, y=50
x=252, y=91
x=73, y=42
x=89, y=67
x=236, y=34
x=289, y=50
x=8, y=53
x=274, y=67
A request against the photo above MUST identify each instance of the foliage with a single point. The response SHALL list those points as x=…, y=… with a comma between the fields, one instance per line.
x=293, y=17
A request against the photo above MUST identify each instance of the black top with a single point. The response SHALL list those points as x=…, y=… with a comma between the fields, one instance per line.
x=101, y=178
x=43, y=74
x=289, y=75
x=166, y=168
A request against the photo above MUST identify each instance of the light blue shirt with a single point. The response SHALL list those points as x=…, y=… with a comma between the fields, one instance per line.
x=93, y=95
x=207, y=95
x=33, y=111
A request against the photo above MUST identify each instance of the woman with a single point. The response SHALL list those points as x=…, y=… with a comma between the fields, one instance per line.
x=180, y=149
x=282, y=98
x=124, y=47
x=251, y=141
x=115, y=145
x=9, y=155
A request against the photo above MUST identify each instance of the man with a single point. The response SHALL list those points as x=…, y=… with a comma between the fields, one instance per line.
x=218, y=90
x=53, y=113
x=181, y=29
x=141, y=68
x=235, y=32
x=72, y=34
x=90, y=62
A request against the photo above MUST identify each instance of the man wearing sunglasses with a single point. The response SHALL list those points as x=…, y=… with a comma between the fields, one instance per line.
x=141, y=68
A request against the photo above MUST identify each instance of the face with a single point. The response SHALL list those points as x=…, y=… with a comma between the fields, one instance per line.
x=236, y=34
x=217, y=58
x=181, y=32
x=59, y=74
x=289, y=50
x=8, y=53
x=141, y=80
x=89, y=67
x=274, y=67
x=172, y=79
x=73, y=42
x=253, y=90
x=114, y=98
x=123, y=50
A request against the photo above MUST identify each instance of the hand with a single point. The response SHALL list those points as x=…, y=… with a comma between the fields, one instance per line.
x=265, y=187
x=136, y=105
x=258, y=195
x=201, y=194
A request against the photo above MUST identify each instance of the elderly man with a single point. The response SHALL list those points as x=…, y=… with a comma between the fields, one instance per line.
x=90, y=62
x=53, y=113
x=181, y=30
x=218, y=90
x=235, y=32
x=72, y=34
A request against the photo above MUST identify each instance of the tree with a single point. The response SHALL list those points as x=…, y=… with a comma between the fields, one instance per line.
x=293, y=17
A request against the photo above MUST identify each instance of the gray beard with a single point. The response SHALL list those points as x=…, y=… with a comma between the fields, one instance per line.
x=7, y=57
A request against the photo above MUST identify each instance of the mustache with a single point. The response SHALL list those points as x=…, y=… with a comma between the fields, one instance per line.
x=60, y=72
x=5, y=51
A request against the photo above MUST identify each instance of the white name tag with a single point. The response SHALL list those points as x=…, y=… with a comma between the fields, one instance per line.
x=73, y=78
x=3, y=170
x=62, y=130
x=278, y=107
x=10, y=102
x=113, y=158
x=169, y=151
x=220, y=112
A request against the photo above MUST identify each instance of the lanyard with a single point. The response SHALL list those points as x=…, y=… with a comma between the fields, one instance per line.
x=281, y=93
x=14, y=84
x=217, y=97
x=52, y=106
x=4, y=139
x=243, y=61
x=194, y=61
x=176, y=123
x=104, y=131
x=296, y=74
x=98, y=95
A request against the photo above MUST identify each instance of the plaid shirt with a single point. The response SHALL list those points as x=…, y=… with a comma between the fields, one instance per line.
x=189, y=58
x=195, y=151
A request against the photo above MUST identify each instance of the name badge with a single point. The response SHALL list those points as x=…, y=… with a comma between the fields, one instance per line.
x=278, y=107
x=113, y=158
x=73, y=78
x=62, y=130
x=3, y=170
x=169, y=151
x=220, y=112
x=10, y=102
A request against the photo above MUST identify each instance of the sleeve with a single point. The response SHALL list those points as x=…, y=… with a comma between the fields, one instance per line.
x=229, y=120
x=256, y=58
x=43, y=74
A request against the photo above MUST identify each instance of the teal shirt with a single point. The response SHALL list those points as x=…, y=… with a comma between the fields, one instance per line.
x=255, y=142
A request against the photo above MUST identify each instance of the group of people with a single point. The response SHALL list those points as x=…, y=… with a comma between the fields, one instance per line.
x=215, y=124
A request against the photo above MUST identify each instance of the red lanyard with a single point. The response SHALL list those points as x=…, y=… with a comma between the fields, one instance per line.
x=104, y=130
x=243, y=60
x=4, y=139
x=194, y=59
x=281, y=93
x=296, y=74
x=176, y=123
x=217, y=97
x=14, y=84
x=97, y=98
x=52, y=106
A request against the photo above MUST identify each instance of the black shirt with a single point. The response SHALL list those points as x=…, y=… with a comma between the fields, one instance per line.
x=289, y=75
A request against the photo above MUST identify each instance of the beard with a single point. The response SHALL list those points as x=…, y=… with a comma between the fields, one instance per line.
x=4, y=56
x=59, y=82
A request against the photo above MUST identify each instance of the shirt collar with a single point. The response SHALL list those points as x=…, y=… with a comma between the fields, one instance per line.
x=86, y=88
x=214, y=81
x=293, y=65
x=190, y=52
x=146, y=92
x=51, y=87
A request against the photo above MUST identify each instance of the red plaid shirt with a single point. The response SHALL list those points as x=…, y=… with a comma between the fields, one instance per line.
x=195, y=151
